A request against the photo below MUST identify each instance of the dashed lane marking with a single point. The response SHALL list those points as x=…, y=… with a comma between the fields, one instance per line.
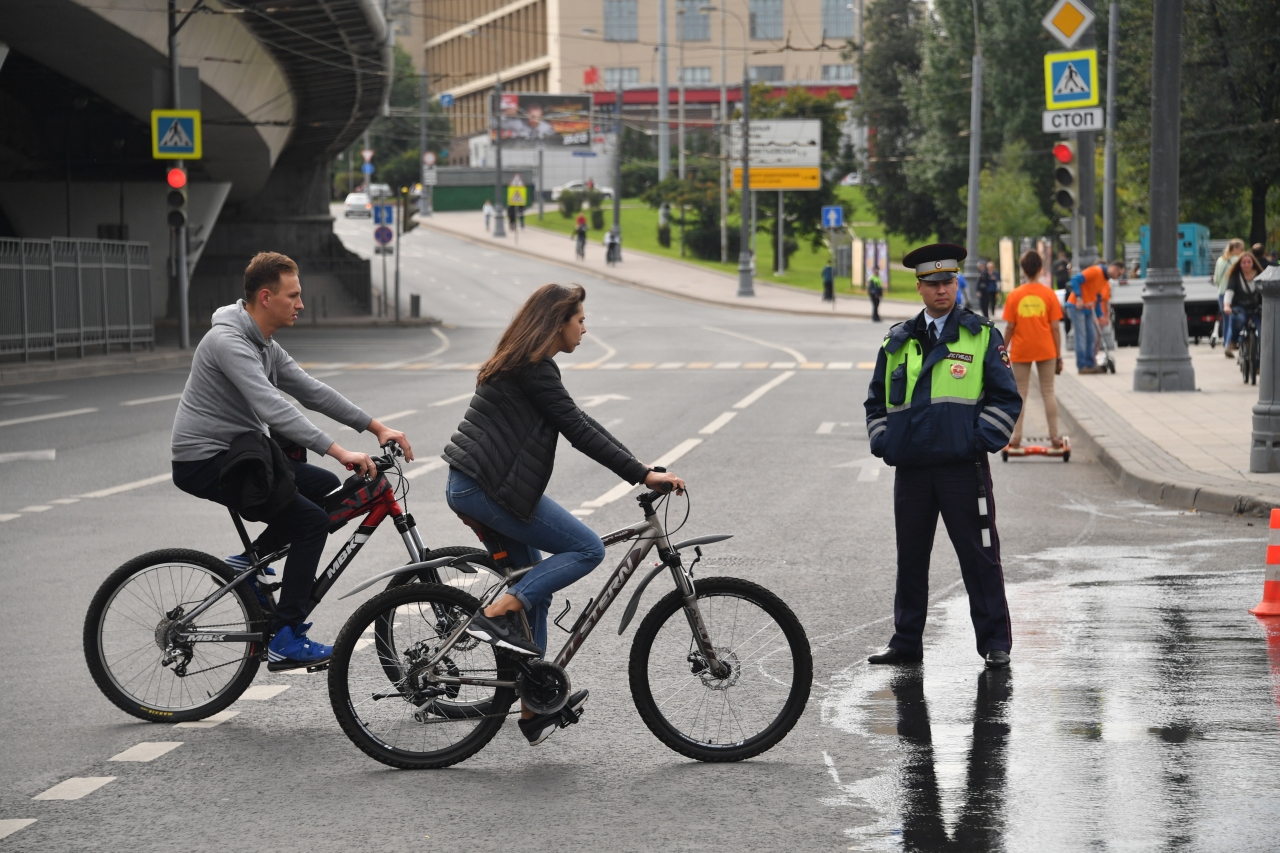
x=29, y=456
x=826, y=427
x=35, y=508
x=147, y=751
x=664, y=461
x=714, y=426
x=52, y=415
x=9, y=827
x=796, y=354
x=9, y=516
x=144, y=400
x=263, y=692
x=457, y=399
x=74, y=788
x=425, y=468
x=391, y=417
x=839, y=365
x=208, y=722
x=866, y=365
x=64, y=501
x=763, y=389
x=128, y=487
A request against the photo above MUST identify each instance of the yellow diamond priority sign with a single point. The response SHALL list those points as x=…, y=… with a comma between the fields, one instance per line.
x=1068, y=20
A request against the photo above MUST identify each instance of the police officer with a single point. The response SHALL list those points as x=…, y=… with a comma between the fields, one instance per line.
x=942, y=398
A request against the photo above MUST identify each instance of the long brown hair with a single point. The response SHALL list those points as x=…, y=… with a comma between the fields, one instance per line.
x=533, y=329
x=1258, y=265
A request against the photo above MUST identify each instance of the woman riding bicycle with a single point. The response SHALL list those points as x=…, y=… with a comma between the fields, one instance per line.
x=500, y=461
x=1242, y=298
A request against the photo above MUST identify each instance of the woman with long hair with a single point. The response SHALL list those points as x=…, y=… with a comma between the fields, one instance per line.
x=1242, y=298
x=500, y=462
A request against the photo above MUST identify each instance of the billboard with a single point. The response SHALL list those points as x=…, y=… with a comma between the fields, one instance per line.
x=786, y=154
x=533, y=120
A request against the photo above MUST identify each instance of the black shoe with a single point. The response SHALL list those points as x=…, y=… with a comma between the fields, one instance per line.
x=891, y=655
x=539, y=727
x=504, y=632
x=997, y=659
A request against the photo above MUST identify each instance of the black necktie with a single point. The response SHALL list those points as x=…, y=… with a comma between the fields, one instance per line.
x=933, y=333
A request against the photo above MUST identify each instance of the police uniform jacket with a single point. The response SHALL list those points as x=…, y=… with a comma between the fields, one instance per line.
x=954, y=402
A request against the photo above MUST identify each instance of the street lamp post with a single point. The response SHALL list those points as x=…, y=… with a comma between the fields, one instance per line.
x=975, y=154
x=664, y=111
x=724, y=142
x=499, y=203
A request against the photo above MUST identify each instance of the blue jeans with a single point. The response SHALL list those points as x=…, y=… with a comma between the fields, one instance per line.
x=575, y=548
x=1082, y=328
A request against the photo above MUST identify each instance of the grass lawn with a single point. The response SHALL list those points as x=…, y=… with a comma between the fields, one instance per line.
x=640, y=231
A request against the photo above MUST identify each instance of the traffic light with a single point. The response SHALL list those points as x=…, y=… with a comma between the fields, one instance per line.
x=408, y=207
x=176, y=177
x=1064, y=174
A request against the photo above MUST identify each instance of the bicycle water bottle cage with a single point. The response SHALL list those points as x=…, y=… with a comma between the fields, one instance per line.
x=353, y=498
x=493, y=542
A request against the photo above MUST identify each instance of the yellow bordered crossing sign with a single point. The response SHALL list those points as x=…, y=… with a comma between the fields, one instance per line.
x=1071, y=79
x=176, y=135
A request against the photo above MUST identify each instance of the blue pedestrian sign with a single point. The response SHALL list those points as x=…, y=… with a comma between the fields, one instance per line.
x=446, y=100
x=383, y=235
x=833, y=216
x=176, y=135
x=367, y=168
x=384, y=214
x=1071, y=79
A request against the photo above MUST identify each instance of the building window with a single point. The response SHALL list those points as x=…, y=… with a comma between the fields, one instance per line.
x=837, y=73
x=620, y=20
x=837, y=19
x=692, y=25
x=765, y=73
x=697, y=75
x=766, y=19
x=625, y=76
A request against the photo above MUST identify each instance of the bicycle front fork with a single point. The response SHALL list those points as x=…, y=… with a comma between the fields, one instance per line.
x=701, y=636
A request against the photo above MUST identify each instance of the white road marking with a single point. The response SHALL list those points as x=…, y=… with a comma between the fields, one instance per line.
x=839, y=365
x=728, y=365
x=722, y=419
x=826, y=427
x=871, y=468
x=796, y=354
x=35, y=508
x=764, y=389
x=363, y=643
x=74, y=788
x=614, y=365
x=20, y=399
x=783, y=365
x=29, y=456
x=425, y=468
x=670, y=365
x=147, y=751
x=386, y=418
x=623, y=489
x=208, y=722
x=597, y=399
x=128, y=487
x=64, y=501
x=444, y=345
x=326, y=374
x=866, y=365
x=48, y=417
x=581, y=513
x=610, y=352
x=9, y=827
x=457, y=399
x=9, y=516
x=263, y=692
x=145, y=400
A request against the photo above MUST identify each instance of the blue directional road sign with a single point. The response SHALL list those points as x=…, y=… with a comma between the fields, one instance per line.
x=384, y=214
x=367, y=168
x=833, y=216
x=446, y=100
x=383, y=235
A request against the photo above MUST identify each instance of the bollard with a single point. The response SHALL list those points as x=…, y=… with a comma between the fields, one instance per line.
x=1264, y=452
x=415, y=306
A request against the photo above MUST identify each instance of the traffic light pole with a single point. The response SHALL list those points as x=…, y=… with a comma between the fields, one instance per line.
x=975, y=159
x=180, y=232
x=399, y=231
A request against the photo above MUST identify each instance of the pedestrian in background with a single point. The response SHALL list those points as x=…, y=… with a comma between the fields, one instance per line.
x=1243, y=298
x=488, y=213
x=828, y=283
x=1084, y=304
x=511, y=217
x=1232, y=251
x=1061, y=271
x=995, y=284
x=875, y=290
x=984, y=288
x=520, y=216
x=1033, y=330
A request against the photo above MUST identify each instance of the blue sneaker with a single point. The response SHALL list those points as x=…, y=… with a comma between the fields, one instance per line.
x=292, y=649
x=240, y=562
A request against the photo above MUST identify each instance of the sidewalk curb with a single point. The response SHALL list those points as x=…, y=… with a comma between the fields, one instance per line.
x=91, y=366
x=613, y=279
x=1184, y=488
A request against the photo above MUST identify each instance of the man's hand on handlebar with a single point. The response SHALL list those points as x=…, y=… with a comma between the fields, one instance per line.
x=386, y=433
x=361, y=463
x=661, y=481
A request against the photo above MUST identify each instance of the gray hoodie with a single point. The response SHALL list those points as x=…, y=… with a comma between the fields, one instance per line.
x=233, y=386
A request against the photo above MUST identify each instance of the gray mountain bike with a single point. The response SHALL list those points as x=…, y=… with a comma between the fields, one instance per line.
x=720, y=668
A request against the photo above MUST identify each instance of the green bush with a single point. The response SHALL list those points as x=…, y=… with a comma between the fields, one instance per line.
x=597, y=219
x=570, y=204
x=638, y=177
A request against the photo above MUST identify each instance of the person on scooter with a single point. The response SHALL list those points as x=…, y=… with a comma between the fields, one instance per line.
x=500, y=461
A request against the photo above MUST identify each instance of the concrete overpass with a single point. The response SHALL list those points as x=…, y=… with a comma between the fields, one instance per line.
x=282, y=88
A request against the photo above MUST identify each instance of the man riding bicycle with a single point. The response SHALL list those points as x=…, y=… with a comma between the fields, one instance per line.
x=237, y=376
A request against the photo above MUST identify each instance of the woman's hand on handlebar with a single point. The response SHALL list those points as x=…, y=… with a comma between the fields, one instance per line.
x=664, y=482
x=386, y=433
x=361, y=463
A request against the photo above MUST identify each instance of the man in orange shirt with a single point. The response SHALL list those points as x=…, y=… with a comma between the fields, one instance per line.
x=1085, y=303
x=1032, y=313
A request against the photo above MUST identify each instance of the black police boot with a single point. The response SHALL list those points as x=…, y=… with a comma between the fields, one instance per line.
x=890, y=655
x=997, y=659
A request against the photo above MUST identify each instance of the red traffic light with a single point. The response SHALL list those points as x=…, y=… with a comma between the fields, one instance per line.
x=176, y=177
x=1064, y=152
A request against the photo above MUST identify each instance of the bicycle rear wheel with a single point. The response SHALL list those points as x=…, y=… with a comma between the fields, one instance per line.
x=742, y=714
x=125, y=637
x=408, y=723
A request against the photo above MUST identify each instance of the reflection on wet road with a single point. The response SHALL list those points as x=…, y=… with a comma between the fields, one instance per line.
x=1140, y=714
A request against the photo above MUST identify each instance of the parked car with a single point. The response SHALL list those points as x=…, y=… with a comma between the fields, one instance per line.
x=379, y=191
x=852, y=179
x=357, y=204
x=578, y=186
x=1200, y=302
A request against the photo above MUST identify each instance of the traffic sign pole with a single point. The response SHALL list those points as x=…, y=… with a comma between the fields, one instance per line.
x=1087, y=172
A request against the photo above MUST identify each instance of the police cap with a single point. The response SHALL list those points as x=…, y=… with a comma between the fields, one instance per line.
x=935, y=262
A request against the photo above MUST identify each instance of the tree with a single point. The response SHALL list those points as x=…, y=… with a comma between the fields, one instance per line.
x=1007, y=202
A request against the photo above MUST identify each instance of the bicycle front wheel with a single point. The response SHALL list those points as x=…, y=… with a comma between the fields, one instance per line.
x=126, y=641
x=742, y=714
x=380, y=693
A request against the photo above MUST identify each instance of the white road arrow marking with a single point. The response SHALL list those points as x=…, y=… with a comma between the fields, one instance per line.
x=871, y=468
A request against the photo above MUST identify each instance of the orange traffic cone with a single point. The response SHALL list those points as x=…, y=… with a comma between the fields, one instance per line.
x=1270, y=604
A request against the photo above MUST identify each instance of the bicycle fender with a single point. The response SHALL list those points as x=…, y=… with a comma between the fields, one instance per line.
x=635, y=599
x=702, y=540
x=412, y=567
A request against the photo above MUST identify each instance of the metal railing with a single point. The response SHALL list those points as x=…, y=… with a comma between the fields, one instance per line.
x=63, y=294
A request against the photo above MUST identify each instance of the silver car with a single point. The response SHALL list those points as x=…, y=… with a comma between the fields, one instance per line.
x=357, y=204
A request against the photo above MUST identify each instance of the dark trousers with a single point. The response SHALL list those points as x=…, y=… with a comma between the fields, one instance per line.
x=919, y=495
x=303, y=525
x=875, y=309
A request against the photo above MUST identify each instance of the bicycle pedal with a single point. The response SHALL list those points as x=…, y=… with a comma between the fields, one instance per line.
x=568, y=717
x=282, y=666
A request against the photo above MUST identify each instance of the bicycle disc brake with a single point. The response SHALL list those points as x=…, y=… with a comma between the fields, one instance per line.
x=543, y=686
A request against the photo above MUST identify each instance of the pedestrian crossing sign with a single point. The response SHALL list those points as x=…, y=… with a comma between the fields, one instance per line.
x=517, y=196
x=175, y=135
x=1071, y=79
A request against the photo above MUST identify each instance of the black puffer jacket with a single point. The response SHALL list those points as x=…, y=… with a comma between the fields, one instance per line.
x=507, y=441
